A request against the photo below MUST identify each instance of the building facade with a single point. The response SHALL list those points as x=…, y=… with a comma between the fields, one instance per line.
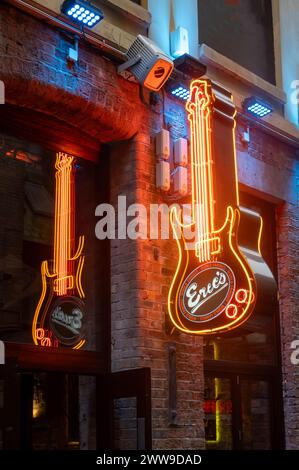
x=137, y=381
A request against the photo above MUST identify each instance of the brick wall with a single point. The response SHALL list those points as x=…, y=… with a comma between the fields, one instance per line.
x=95, y=100
x=272, y=167
x=88, y=95
x=288, y=248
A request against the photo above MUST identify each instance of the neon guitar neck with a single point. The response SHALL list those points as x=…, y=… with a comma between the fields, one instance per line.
x=199, y=108
x=64, y=224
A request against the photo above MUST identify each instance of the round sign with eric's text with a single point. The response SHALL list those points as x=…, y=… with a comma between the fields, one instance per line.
x=206, y=292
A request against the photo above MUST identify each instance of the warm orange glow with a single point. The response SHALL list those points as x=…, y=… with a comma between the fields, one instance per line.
x=230, y=219
x=201, y=161
x=79, y=277
x=46, y=342
x=80, y=344
x=66, y=276
x=231, y=311
x=260, y=235
x=235, y=160
x=209, y=244
x=40, y=333
x=241, y=296
x=44, y=274
x=63, y=207
x=175, y=222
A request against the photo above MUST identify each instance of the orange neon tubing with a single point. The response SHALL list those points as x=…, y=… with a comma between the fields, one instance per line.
x=230, y=219
x=63, y=240
x=203, y=216
x=202, y=184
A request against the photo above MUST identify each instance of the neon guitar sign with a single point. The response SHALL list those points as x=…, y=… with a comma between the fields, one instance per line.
x=214, y=287
x=58, y=318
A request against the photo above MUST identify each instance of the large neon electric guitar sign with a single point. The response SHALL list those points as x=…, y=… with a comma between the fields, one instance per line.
x=214, y=288
x=58, y=318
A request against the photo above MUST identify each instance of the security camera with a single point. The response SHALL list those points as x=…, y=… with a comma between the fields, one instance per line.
x=149, y=64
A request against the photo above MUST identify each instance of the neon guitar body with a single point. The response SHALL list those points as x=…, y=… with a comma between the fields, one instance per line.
x=215, y=295
x=58, y=320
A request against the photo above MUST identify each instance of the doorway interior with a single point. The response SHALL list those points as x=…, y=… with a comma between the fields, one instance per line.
x=242, y=408
x=62, y=400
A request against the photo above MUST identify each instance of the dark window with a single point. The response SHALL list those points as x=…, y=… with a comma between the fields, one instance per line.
x=242, y=394
x=27, y=193
x=240, y=30
x=257, y=340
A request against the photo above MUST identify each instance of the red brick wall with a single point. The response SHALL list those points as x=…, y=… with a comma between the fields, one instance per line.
x=139, y=293
x=288, y=249
x=141, y=273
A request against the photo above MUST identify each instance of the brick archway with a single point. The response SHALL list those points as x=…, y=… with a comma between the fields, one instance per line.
x=102, y=115
x=88, y=95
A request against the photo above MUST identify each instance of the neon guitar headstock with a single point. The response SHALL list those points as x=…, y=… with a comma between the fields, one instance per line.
x=201, y=96
x=63, y=161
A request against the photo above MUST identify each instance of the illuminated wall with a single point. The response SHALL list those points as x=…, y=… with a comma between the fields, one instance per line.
x=167, y=15
x=240, y=30
x=286, y=34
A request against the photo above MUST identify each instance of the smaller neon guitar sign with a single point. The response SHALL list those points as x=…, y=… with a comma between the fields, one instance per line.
x=58, y=318
x=214, y=287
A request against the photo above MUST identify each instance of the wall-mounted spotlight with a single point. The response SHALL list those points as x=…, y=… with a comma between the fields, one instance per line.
x=83, y=13
x=149, y=64
x=256, y=107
